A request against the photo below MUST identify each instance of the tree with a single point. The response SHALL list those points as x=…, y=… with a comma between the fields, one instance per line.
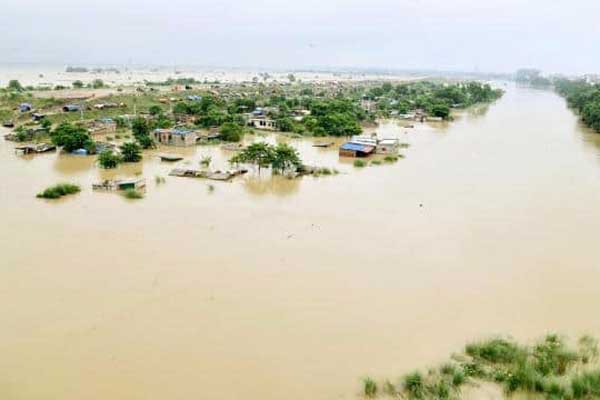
x=285, y=158
x=140, y=127
x=285, y=124
x=281, y=158
x=231, y=132
x=15, y=85
x=131, y=152
x=72, y=138
x=155, y=110
x=77, y=84
x=98, y=84
x=260, y=154
x=440, y=110
x=108, y=159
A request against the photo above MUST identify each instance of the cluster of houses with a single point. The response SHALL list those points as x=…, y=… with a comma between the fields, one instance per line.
x=364, y=146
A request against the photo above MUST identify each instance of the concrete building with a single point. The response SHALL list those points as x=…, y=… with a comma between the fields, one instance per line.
x=263, y=123
x=175, y=137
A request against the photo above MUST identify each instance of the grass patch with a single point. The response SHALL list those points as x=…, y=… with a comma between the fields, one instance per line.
x=133, y=194
x=159, y=180
x=376, y=162
x=59, y=190
x=359, y=163
x=549, y=369
x=390, y=159
x=369, y=387
x=210, y=187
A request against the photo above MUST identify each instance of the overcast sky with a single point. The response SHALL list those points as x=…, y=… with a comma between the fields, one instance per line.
x=467, y=35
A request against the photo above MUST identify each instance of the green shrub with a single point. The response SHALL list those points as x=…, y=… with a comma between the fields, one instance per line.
x=413, y=385
x=59, y=190
x=359, y=163
x=586, y=385
x=495, y=351
x=108, y=159
x=133, y=194
x=369, y=387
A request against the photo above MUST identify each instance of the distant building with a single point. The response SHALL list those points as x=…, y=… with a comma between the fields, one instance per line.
x=263, y=123
x=175, y=137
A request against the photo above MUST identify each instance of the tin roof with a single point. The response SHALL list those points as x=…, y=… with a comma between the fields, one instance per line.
x=350, y=146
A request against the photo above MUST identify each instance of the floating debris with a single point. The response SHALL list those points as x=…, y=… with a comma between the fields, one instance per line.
x=125, y=184
x=170, y=157
x=213, y=175
x=35, y=148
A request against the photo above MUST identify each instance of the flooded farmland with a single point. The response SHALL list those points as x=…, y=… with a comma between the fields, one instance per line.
x=273, y=288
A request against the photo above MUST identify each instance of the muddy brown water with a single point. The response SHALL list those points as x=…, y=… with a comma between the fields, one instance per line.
x=271, y=288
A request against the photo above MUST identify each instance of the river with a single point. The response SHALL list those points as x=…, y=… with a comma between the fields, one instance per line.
x=271, y=289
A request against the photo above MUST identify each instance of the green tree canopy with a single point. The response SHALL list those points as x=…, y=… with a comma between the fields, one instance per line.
x=72, y=137
x=131, y=152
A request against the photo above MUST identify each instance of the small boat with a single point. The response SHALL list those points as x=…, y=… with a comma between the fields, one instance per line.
x=323, y=144
x=170, y=157
x=124, y=184
x=8, y=124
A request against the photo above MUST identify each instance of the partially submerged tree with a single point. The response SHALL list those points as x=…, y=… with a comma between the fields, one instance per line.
x=260, y=154
x=285, y=158
x=108, y=159
x=131, y=152
x=231, y=132
x=281, y=158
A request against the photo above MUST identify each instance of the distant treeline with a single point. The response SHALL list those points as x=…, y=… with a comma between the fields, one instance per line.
x=435, y=98
x=584, y=98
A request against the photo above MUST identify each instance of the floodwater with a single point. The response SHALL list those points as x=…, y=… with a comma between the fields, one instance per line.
x=273, y=288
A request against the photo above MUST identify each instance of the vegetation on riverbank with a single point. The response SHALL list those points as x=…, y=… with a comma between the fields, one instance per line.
x=550, y=368
x=59, y=190
x=582, y=97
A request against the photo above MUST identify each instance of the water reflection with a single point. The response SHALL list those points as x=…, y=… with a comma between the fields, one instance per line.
x=266, y=184
x=68, y=164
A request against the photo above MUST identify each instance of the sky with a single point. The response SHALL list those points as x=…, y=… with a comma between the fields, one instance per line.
x=452, y=35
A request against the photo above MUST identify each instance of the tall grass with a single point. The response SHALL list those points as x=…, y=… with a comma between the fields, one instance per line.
x=359, y=163
x=549, y=369
x=369, y=387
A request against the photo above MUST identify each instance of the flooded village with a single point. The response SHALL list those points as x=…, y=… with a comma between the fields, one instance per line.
x=279, y=268
x=124, y=123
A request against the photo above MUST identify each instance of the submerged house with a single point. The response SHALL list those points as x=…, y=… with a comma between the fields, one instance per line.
x=387, y=146
x=356, y=149
x=175, y=137
x=363, y=146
